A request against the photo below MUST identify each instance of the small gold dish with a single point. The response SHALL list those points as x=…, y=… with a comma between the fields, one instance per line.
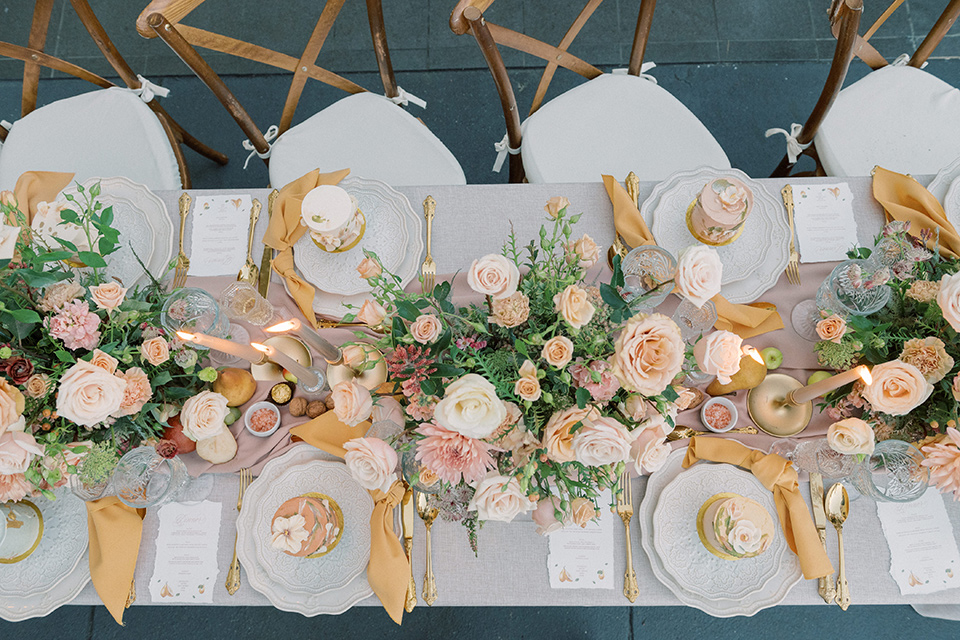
x=703, y=538
x=743, y=225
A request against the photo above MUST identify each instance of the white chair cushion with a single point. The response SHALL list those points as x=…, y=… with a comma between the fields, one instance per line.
x=900, y=118
x=373, y=137
x=107, y=132
x=615, y=124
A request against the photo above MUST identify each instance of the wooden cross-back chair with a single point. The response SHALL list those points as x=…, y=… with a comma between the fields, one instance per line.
x=634, y=140
x=94, y=159
x=364, y=131
x=897, y=116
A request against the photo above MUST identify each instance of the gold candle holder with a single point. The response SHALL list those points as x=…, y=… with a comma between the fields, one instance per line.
x=772, y=408
x=355, y=357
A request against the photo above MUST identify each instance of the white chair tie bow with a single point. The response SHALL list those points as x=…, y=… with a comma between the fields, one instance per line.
x=903, y=60
x=646, y=66
x=794, y=148
x=148, y=90
x=6, y=124
x=503, y=148
x=270, y=135
x=404, y=98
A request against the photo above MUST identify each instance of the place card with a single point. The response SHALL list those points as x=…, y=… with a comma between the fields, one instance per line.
x=185, y=569
x=923, y=546
x=823, y=216
x=583, y=558
x=220, y=227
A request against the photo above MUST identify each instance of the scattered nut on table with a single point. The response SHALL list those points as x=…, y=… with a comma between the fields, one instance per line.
x=329, y=401
x=316, y=408
x=298, y=407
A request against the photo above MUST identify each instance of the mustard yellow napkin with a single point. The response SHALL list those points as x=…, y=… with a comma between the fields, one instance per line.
x=626, y=216
x=389, y=569
x=746, y=320
x=285, y=229
x=34, y=187
x=114, y=530
x=905, y=199
x=777, y=475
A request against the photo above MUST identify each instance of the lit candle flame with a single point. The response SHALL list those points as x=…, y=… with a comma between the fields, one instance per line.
x=183, y=335
x=260, y=347
x=281, y=327
x=753, y=353
x=865, y=374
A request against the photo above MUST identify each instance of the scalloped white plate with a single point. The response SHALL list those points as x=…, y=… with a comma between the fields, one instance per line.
x=941, y=182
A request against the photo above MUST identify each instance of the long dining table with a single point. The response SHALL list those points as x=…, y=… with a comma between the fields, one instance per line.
x=510, y=566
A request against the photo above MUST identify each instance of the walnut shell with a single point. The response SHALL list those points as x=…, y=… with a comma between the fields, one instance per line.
x=298, y=407
x=316, y=408
x=329, y=401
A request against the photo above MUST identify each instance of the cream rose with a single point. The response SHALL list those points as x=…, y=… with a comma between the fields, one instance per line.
x=948, y=298
x=718, y=354
x=699, y=273
x=648, y=354
x=470, y=407
x=104, y=360
x=528, y=386
x=851, y=437
x=557, y=351
x=426, y=329
x=555, y=205
x=601, y=441
x=155, y=351
x=636, y=408
x=369, y=268
x=88, y=395
x=545, y=516
x=37, y=385
x=371, y=462
x=655, y=424
x=108, y=296
x=832, y=328
x=203, y=416
x=557, y=436
x=574, y=306
x=585, y=252
x=12, y=404
x=17, y=450
x=582, y=512
x=499, y=498
x=372, y=313
x=898, y=388
x=8, y=241
x=649, y=452
x=352, y=402
x=494, y=275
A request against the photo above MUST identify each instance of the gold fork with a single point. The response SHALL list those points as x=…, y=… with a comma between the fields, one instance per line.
x=233, y=575
x=793, y=267
x=428, y=270
x=625, y=511
x=183, y=262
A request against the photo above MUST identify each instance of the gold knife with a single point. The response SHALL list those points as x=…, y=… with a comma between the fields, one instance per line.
x=407, y=510
x=265, y=271
x=825, y=584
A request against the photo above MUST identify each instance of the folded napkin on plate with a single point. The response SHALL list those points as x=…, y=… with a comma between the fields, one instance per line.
x=285, y=229
x=34, y=187
x=114, y=530
x=779, y=476
x=626, y=216
x=905, y=199
x=389, y=569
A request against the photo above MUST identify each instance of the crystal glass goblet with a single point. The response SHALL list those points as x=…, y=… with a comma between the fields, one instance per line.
x=693, y=321
x=893, y=473
x=644, y=269
x=143, y=478
x=242, y=301
x=413, y=473
x=816, y=456
x=194, y=311
x=851, y=289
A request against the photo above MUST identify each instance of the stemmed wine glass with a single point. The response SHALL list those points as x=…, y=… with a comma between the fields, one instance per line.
x=853, y=288
x=194, y=310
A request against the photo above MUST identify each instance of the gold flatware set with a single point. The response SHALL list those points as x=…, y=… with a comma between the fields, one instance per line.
x=681, y=433
x=249, y=272
x=793, y=266
x=625, y=510
x=233, y=574
x=183, y=262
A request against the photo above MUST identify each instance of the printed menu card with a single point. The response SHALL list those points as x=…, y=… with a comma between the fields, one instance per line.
x=219, y=238
x=185, y=569
x=823, y=215
x=582, y=558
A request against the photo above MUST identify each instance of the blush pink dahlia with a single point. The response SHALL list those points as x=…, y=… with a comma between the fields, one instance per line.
x=76, y=325
x=14, y=487
x=943, y=459
x=452, y=455
x=595, y=378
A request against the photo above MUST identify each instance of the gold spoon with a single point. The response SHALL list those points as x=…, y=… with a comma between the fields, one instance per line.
x=837, y=505
x=249, y=272
x=428, y=515
x=688, y=432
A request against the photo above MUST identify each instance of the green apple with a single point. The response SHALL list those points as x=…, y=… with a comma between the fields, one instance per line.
x=232, y=416
x=817, y=376
x=772, y=357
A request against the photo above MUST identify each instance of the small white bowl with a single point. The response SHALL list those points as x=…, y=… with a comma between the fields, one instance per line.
x=724, y=402
x=256, y=407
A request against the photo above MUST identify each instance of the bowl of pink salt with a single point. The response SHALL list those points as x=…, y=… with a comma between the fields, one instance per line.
x=262, y=419
x=718, y=415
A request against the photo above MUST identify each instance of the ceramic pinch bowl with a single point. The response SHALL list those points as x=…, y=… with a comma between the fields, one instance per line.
x=248, y=417
x=705, y=413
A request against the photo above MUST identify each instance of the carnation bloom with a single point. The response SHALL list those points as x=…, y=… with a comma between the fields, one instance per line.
x=602, y=391
x=452, y=456
x=14, y=487
x=76, y=325
x=929, y=356
x=137, y=392
x=511, y=311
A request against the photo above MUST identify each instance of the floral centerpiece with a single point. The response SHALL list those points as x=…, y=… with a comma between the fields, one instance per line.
x=86, y=365
x=537, y=399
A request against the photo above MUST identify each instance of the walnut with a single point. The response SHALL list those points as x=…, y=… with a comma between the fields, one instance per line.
x=316, y=408
x=329, y=401
x=298, y=407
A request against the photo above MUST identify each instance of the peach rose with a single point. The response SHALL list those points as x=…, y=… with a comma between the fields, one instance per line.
x=371, y=313
x=203, y=416
x=371, y=462
x=499, y=498
x=851, y=437
x=832, y=328
x=155, y=351
x=494, y=275
x=426, y=329
x=558, y=351
x=955, y=387
x=585, y=252
x=7, y=198
x=555, y=205
x=718, y=354
x=137, y=392
x=699, y=273
x=104, y=360
x=511, y=311
x=88, y=395
x=948, y=298
x=108, y=296
x=8, y=241
x=582, y=511
x=655, y=424
x=352, y=402
x=369, y=268
x=37, y=385
x=545, y=516
x=17, y=450
x=557, y=438
x=470, y=407
x=898, y=388
x=11, y=408
x=649, y=452
x=648, y=354
x=600, y=442
x=637, y=408
x=574, y=306
x=528, y=386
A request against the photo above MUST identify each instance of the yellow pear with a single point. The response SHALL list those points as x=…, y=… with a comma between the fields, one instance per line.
x=750, y=375
x=236, y=385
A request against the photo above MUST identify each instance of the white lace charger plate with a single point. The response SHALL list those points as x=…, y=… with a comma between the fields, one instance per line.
x=56, y=572
x=686, y=559
x=392, y=232
x=145, y=228
x=348, y=558
x=951, y=203
x=753, y=263
x=942, y=181
x=331, y=602
x=717, y=607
